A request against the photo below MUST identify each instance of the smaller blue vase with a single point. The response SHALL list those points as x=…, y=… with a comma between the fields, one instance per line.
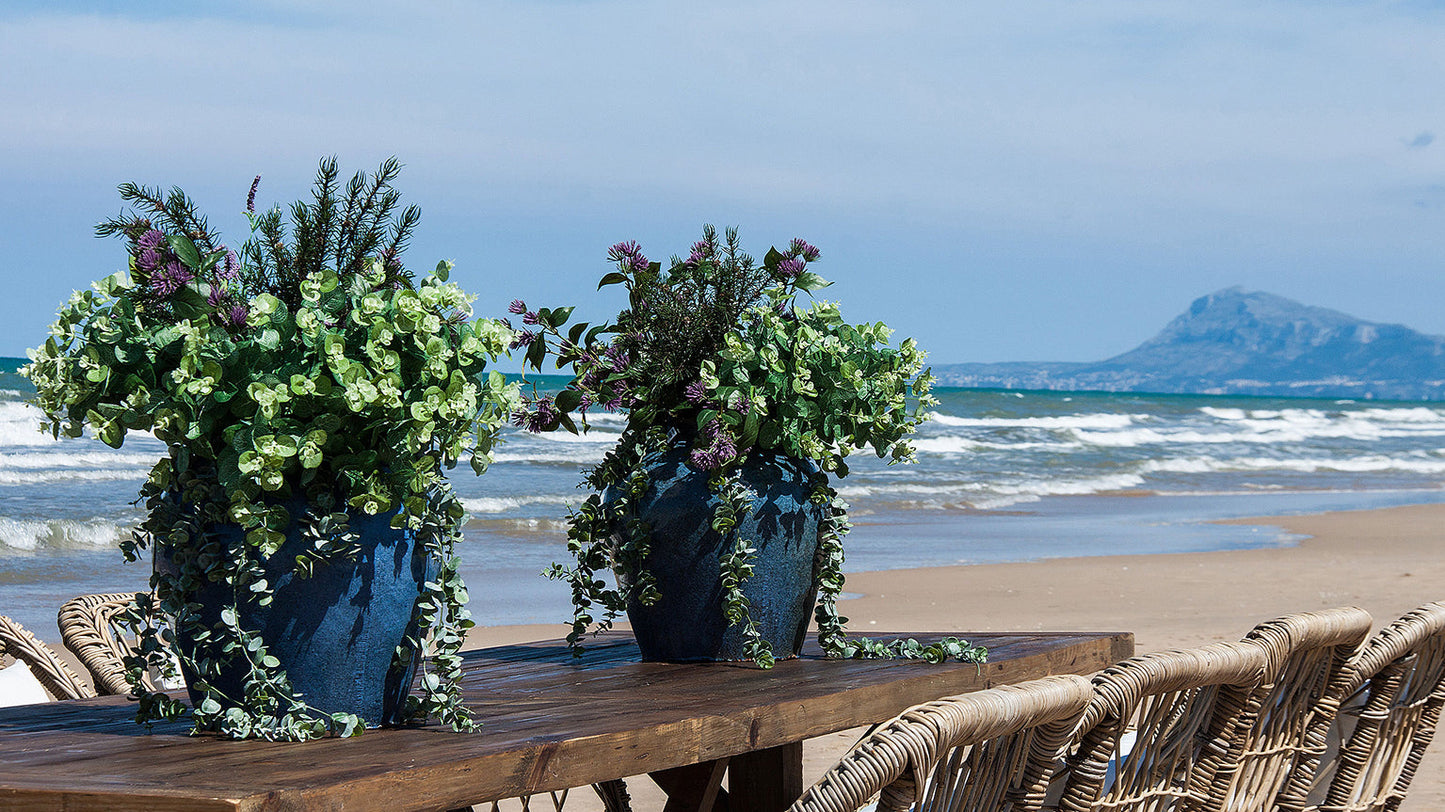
x=687, y=624
x=334, y=632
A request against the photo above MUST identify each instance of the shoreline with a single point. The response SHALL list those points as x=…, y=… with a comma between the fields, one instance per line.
x=1385, y=560
x=1337, y=559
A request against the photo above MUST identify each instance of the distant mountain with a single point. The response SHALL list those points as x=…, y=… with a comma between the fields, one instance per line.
x=1246, y=343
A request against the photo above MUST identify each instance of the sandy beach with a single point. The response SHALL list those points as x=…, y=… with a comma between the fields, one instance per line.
x=1385, y=561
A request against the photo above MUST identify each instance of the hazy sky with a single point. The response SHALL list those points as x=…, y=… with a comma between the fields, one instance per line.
x=1003, y=181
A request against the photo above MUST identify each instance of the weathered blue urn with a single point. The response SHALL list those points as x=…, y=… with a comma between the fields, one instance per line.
x=334, y=632
x=685, y=555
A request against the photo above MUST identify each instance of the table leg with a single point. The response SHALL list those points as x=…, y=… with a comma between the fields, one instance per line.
x=766, y=780
x=694, y=788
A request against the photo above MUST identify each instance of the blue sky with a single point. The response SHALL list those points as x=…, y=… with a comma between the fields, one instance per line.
x=1020, y=181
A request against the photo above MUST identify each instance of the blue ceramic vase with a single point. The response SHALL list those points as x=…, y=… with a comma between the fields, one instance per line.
x=687, y=623
x=335, y=632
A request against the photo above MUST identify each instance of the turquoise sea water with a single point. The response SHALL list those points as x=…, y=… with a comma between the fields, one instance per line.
x=1001, y=476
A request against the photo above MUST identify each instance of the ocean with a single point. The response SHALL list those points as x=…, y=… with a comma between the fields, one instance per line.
x=1001, y=476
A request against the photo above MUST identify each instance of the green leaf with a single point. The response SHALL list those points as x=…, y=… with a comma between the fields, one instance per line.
x=611, y=279
x=444, y=270
x=556, y=318
x=705, y=417
x=809, y=281
x=185, y=250
x=569, y=399
x=537, y=353
x=749, y=435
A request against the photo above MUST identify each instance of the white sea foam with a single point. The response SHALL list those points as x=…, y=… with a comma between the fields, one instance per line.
x=502, y=504
x=92, y=457
x=579, y=454
x=20, y=425
x=1102, y=420
x=989, y=495
x=1374, y=463
x=564, y=436
x=1300, y=427
x=963, y=445
x=28, y=535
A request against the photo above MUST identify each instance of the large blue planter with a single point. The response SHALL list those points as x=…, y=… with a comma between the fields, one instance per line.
x=336, y=631
x=687, y=623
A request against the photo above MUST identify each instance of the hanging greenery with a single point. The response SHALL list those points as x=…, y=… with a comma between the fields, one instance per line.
x=307, y=378
x=717, y=351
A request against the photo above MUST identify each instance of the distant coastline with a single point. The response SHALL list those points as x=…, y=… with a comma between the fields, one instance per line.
x=1236, y=342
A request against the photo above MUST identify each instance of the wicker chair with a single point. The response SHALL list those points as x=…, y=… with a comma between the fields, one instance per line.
x=1394, y=694
x=1280, y=726
x=961, y=754
x=1139, y=743
x=16, y=643
x=89, y=629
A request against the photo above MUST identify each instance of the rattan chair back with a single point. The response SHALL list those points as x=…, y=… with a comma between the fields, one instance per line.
x=958, y=754
x=1394, y=696
x=1280, y=726
x=90, y=629
x=1139, y=743
x=17, y=643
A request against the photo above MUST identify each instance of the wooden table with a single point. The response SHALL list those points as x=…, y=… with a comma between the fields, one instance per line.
x=549, y=722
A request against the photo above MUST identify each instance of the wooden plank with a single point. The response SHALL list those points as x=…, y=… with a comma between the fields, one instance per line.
x=550, y=722
x=766, y=780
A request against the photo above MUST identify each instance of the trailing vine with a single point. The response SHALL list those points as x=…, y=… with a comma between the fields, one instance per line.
x=301, y=383
x=716, y=352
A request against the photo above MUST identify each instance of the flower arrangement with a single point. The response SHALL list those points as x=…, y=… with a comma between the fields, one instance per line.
x=717, y=351
x=308, y=373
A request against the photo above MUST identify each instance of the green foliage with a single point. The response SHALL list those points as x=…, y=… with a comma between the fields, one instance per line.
x=317, y=372
x=717, y=350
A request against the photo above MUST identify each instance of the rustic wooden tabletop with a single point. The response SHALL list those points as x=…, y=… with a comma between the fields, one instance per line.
x=549, y=721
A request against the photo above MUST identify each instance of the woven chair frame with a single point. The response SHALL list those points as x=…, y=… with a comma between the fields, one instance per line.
x=957, y=754
x=1166, y=700
x=1281, y=726
x=89, y=628
x=1397, y=688
x=60, y=681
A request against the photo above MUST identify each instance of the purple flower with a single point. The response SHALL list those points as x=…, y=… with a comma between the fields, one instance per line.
x=150, y=239
x=624, y=251
x=523, y=339
x=231, y=267
x=238, y=315
x=702, y=250
x=718, y=448
x=217, y=296
x=617, y=358
x=801, y=248
x=630, y=253
x=251, y=196
x=790, y=268
x=517, y=307
x=166, y=281
x=148, y=260
x=543, y=417
x=530, y=317
x=696, y=392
